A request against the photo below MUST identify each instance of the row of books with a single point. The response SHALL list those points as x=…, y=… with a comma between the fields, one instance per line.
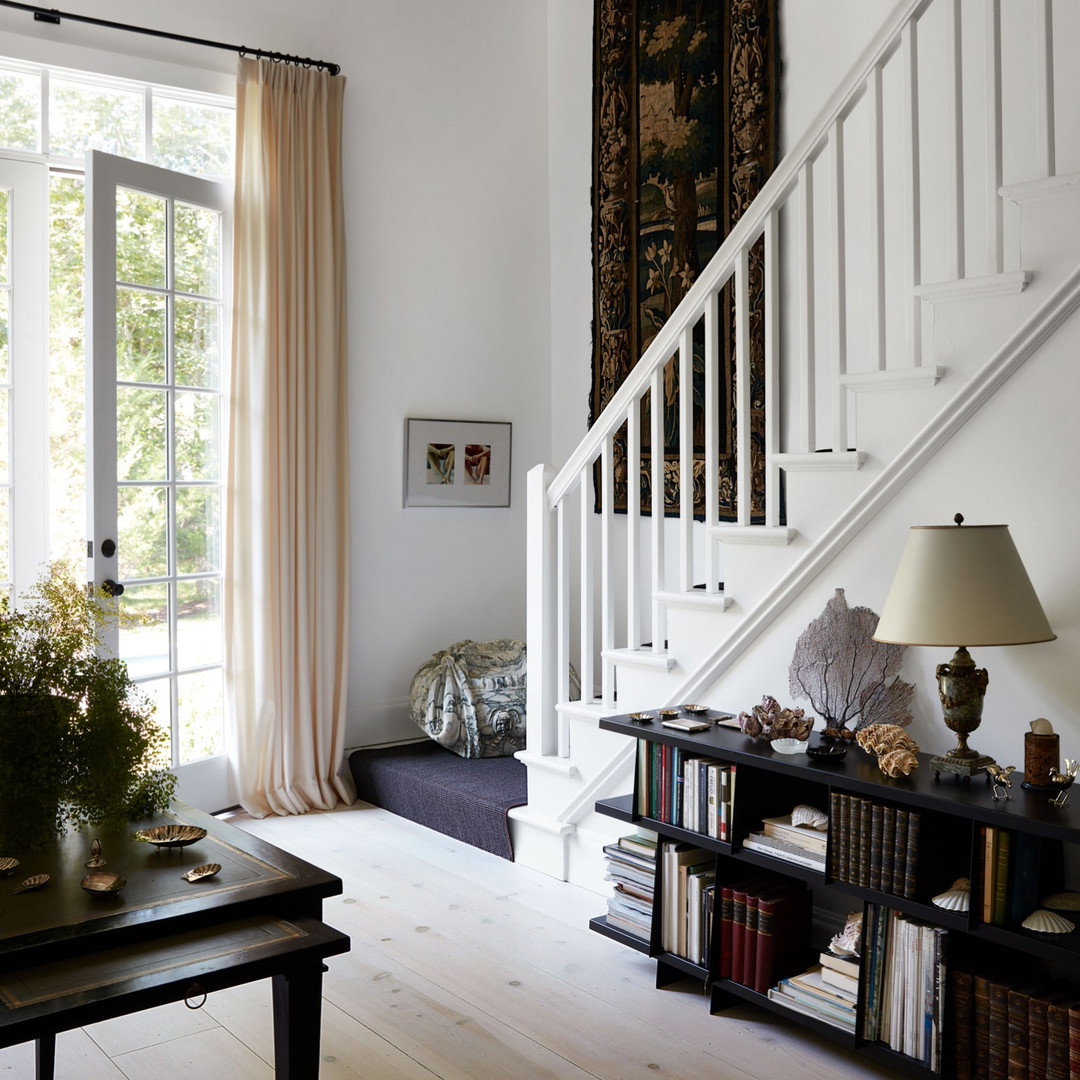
x=905, y=984
x=684, y=789
x=797, y=844
x=828, y=991
x=873, y=845
x=631, y=867
x=764, y=927
x=688, y=876
x=1007, y=1030
x=1014, y=866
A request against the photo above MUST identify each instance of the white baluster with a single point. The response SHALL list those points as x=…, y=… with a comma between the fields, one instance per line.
x=953, y=111
x=586, y=664
x=686, y=458
x=805, y=268
x=656, y=436
x=712, y=439
x=1045, y=152
x=742, y=388
x=607, y=589
x=909, y=61
x=838, y=365
x=562, y=621
x=875, y=237
x=541, y=684
x=633, y=525
x=995, y=239
x=772, y=367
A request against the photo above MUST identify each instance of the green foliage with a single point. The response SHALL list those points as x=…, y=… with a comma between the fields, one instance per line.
x=79, y=744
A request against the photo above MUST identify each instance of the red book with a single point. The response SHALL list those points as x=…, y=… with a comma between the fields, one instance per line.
x=754, y=898
x=1057, y=1039
x=726, y=903
x=738, y=923
x=1074, y=1038
x=998, y=1035
x=783, y=929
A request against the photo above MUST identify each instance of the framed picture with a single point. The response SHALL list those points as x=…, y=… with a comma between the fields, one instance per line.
x=457, y=463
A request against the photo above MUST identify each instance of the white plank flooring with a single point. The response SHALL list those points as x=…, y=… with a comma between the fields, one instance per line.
x=463, y=967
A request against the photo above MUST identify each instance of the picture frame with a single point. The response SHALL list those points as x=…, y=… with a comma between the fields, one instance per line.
x=461, y=463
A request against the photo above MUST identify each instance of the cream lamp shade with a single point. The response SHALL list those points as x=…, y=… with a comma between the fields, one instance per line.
x=962, y=585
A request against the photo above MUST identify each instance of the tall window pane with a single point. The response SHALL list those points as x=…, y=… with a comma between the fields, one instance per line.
x=20, y=110
x=84, y=117
x=193, y=138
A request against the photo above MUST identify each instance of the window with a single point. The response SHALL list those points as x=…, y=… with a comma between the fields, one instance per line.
x=169, y=310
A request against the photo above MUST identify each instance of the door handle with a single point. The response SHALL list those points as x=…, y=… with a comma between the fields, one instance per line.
x=112, y=588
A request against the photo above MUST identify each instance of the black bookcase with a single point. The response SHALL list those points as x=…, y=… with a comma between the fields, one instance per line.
x=954, y=815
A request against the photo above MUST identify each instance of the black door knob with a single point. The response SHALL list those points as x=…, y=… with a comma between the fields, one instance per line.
x=112, y=588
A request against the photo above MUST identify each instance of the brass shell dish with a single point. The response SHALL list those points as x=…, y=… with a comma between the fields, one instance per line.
x=641, y=717
x=8, y=866
x=170, y=835
x=696, y=710
x=199, y=872
x=34, y=882
x=102, y=883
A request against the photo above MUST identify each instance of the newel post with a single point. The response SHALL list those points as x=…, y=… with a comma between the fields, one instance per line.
x=542, y=723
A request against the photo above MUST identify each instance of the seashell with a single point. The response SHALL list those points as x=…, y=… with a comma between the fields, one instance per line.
x=788, y=746
x=199, y=872
x=877, y=738
x=8, y=866
x=1062, y=901
x=640, y=717
x=810, y=816
x=957, y=897
x=103, y=883
x=1042, y=726
x=170, y=835
x=1048, y=922
x=34, y=882
x=897, y=763
x=846, y=943
x=695, y=710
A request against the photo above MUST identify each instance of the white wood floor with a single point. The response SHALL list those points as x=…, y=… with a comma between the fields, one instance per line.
x=463, y=967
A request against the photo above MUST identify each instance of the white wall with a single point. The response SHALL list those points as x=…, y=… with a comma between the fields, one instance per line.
x=446, y=175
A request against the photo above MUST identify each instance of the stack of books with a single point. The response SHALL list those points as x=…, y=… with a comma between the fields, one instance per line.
x=905, y=984
x=874, y=845
x=631, y=865
x=1017, y=868
x=685, y=789
x=798, y=844
x=688, y=875
x=764, y=925
x=828, y=991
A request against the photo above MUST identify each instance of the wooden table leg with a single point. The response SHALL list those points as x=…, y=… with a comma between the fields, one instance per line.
x=297, y=1023
x=45, y=1057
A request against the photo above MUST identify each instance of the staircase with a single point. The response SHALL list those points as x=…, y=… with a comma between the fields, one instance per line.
x=918, y=249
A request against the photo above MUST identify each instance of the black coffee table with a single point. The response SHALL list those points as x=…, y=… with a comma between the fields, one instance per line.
x=69, y=958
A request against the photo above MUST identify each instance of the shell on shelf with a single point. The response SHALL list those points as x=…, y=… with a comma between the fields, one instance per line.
x=846, y=943
x=898, y=762
x=810, y=816
x=957, y=897
x=8, y=866
x=878, y=738
x=1062, y=901
x=34, y=882
x=1048, y=922
x=1041, y=726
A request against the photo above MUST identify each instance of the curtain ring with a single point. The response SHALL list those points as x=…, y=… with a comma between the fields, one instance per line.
x=195, y=990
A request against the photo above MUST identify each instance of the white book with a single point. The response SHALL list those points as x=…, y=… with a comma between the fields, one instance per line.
x=779, y=848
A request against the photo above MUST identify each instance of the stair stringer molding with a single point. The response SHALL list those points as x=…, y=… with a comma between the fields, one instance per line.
x=566, y=839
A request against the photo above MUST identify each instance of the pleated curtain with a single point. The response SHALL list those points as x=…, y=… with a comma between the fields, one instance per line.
x=287, y=542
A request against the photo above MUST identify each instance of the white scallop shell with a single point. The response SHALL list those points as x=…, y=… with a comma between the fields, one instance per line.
x=957, y=897
x=1048, y=922
x=810, y=816
x=788, y=746
x=1062, y=901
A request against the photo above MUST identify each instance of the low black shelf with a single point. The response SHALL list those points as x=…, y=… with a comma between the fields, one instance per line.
x=600, y=925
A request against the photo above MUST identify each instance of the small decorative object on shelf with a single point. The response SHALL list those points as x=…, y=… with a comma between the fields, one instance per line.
x=836, y=644
x=810, y=817
x=96, y=861
x=894, y=747
x=170, y=836
x=1063, y=780
x=103, y=884
x=696, y=710
x=8, y=866
x=199, y=873
x=31, y=883
x=771, y=721
x=1048, y=922
x=1000, y=779
x=846, y=943
x=957, y=897
x=1041, y=755
x=641, y=717
x=827, y=753
x=1062, y=901
x=788, y=746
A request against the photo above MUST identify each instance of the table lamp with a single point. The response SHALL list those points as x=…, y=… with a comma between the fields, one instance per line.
x=954, y=584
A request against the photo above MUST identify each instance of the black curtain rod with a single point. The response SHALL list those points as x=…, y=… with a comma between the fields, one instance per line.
x=51, y=15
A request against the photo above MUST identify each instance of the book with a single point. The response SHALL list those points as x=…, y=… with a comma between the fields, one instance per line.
x=676, y=858
x=980, y=1044
x=813, y=982
x=789, y=1001
x=802, y=835
x=738, y=921
x=778, y=848
x=864, y=848
x=637, y=844
x=1000, y=913
x=834, y=834
x=696, y=923
x=962, y=1018
x=998, y=1031
x=1017, y=1054
x=1057, y=1038
x=848, y=984
x=1036, y=1035
x=877, y=817
x=1074, y=1038
x=989, y=870
x=844, y=965
x=843, y=838
x=726, y=904
x=681, y=723
x=888, y=847
x=783, y=926
x=899, y=852
x=911, y=857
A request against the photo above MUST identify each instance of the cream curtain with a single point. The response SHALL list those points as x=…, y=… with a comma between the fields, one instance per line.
x=287, y=571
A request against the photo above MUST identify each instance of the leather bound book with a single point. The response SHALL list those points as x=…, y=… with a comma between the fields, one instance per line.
x=783, y=931
x=1019, y=999
x=834, y=835
x=865, y=814
x=888, y=847
x=899, y=852
x=843, y=838
x=726, y=904
x=1001, y=878
x=1057, y=1039
x=1038, y=1003
x=980, y=1043
x=1074, y=1038
x=998, y=1032
x=911, y=856
x=961, y=1017
x=877, y=820
x=738, y=922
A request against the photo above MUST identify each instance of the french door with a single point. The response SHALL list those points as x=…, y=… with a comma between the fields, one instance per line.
x=157, y=258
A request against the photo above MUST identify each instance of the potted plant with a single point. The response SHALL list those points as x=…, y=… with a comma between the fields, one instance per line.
x=79, y=744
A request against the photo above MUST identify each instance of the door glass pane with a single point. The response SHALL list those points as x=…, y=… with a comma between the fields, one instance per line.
x=5, y=232
x=193, y=138
x=198, y=530
x=197, y=435
x=142, y=527
x=85, y=117
x=5, y=331
x=198, y=250
x=5, y=538
x=144, y=635
x=199, y=709
x=140, y=238
x=20, y=110
x=140, y=336
x=5, y=441
x=197, y=343
x=141, y=437
x=159, y=691
x=67, y=370
x=198, y=622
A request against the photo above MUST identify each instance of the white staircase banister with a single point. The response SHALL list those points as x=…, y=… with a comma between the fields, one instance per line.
x=745, y=232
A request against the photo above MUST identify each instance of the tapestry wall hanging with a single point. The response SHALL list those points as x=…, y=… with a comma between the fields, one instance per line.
x=685, y=102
